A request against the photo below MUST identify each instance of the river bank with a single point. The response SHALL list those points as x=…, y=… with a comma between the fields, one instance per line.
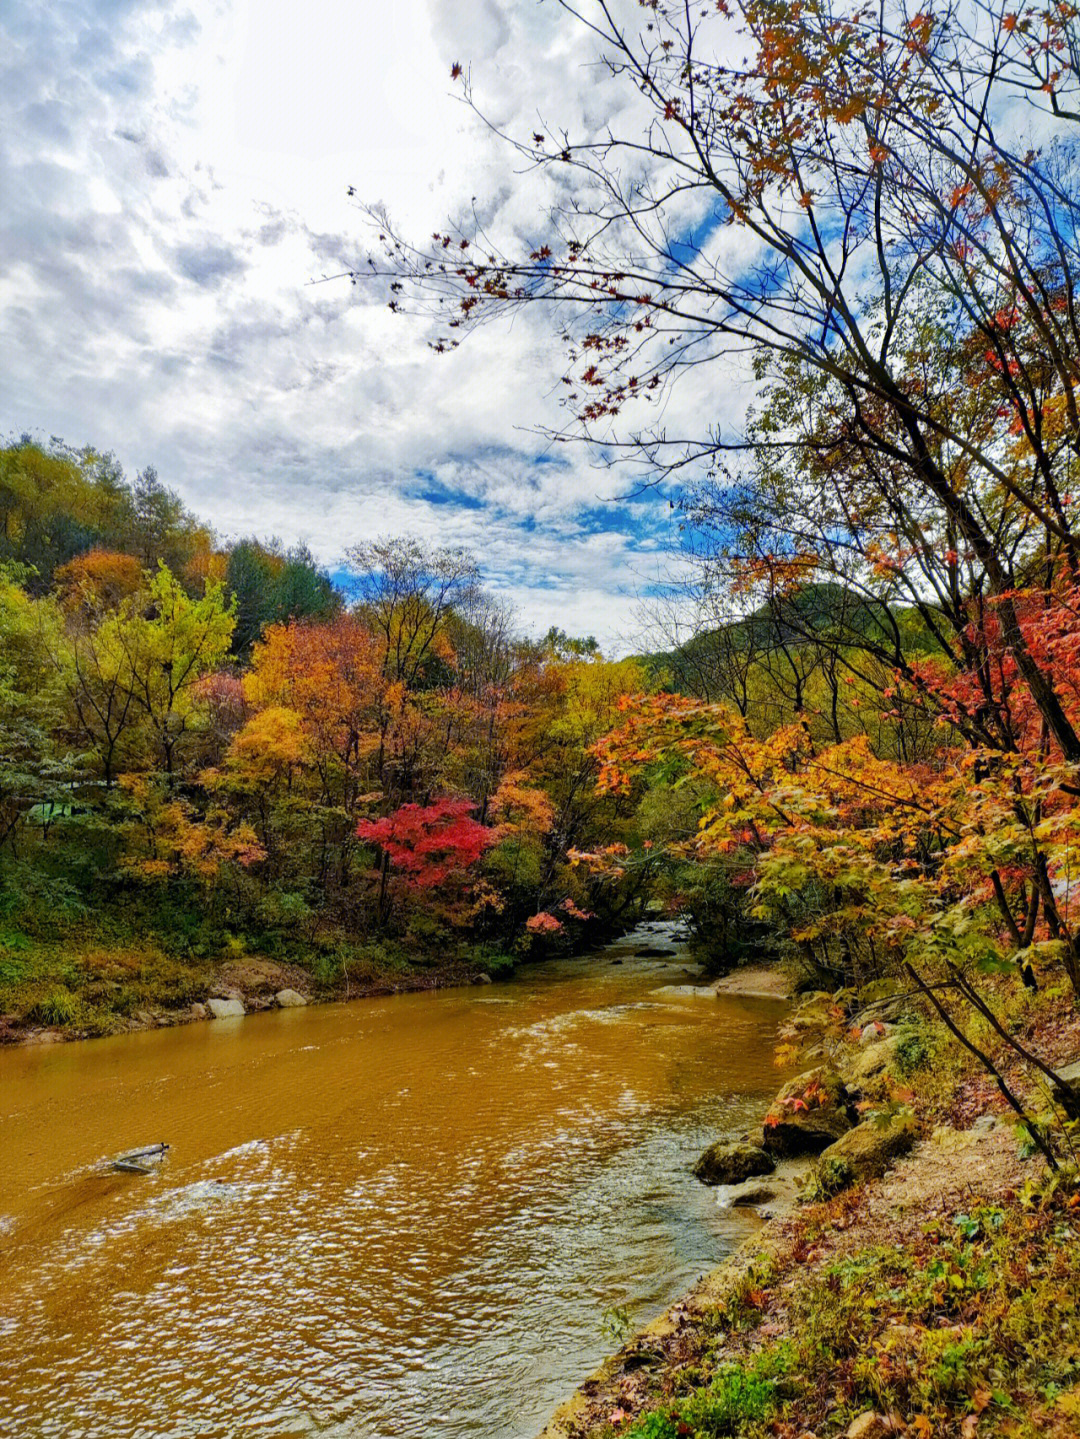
x=100, y=991
x=936, y=1299
x=57, y=994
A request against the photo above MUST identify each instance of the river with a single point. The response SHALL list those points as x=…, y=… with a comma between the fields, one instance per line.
x=397, y=1217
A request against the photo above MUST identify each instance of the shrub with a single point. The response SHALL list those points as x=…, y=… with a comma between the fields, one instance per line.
x=498, y=966
x=739, y=1394
x=57, y=1008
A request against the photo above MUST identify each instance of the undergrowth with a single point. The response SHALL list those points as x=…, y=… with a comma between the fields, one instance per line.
x=971, y=1330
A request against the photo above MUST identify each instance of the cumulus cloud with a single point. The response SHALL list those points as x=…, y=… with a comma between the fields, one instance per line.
x=175, y=195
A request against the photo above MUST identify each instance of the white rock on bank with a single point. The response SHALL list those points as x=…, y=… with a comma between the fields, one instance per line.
x=869, y=1426
x=290, y=998
x=684, y=991
x=225, y=1008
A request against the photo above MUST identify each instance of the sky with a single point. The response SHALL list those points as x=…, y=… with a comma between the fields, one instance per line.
x=173, y=191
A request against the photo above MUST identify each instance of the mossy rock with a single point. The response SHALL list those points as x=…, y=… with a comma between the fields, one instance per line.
x=870, y=1060
x=877, y=990
x=810, y=1113
x=865, y=1152
x=730, y=1163
x=809, y=998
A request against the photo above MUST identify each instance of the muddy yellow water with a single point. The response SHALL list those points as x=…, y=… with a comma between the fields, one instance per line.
x=399, y=1217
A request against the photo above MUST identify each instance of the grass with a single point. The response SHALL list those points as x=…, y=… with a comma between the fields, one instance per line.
x=737, y=1399
x=95, y=979
x=93, y=987
x=978, y=1317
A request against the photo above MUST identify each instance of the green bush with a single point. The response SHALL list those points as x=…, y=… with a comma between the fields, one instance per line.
x=914, y=1049
x=498, y=966
x=57, y=1008
x=739, y=1394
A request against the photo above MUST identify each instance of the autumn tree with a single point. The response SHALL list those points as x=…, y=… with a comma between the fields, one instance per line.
x=408, y=593
x=35, y=765
x=429, y=843
x=97, y=581
x=329, y=676
x=139, y=667
x=169, y=641
x=818, y=205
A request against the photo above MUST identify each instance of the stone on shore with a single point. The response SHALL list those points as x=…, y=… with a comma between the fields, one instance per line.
x=865, y=1152
x=290, y=998
x=749, y=1195
x=814, y=1011
x=1069, y=1099
x=870, y=1426
x=730, y=1163
x=875, y=1032
x=810, y=1113
x=225, y=1008
x=871, y=1059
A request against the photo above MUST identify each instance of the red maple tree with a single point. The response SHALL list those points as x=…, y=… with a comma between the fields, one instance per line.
x=426, y=844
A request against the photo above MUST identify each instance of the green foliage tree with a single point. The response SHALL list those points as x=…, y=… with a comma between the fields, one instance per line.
x=272, y=586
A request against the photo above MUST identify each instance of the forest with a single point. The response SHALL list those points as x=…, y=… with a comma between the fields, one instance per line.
x=210, y=753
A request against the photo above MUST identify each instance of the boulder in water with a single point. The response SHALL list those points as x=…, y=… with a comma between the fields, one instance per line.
x=225, y=1008
x=140, y=1161
x=290, y=998
x=730, y=1163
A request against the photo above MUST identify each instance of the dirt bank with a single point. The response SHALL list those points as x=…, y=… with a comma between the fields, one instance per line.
x=756, y=982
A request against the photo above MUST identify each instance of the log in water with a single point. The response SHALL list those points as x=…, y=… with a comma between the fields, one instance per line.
x=399, y=1217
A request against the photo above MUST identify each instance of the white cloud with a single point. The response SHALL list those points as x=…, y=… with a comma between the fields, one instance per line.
x=175, y=181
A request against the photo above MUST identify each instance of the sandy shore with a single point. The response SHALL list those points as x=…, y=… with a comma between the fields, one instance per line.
x=756, y=982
